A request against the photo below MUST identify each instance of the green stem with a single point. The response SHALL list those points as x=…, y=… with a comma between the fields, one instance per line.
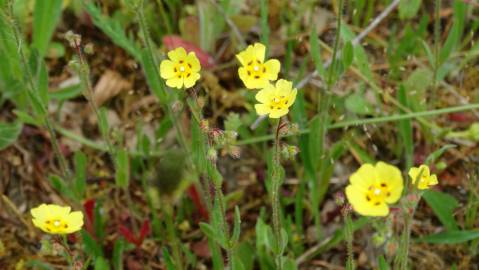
x=437, y=38
x=275, y=203
x=401, y=260
x=376, y=120
x=229, y=251
x=172, y=237
x=33, y=92
x=349, y=240
x=84, y=71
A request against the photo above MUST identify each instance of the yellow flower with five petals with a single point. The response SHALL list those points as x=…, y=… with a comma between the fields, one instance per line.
x=276, y=100
x=55, y=219
x=426, y=180
x=373, y=187
x=255, y=72
x=181, y=70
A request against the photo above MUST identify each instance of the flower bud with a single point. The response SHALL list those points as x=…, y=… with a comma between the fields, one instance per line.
x=212, y=155
x=204, y=125
x=339, y=198
x=177, y=106
x=73, y=39
x=235, y=152
x=89, y=49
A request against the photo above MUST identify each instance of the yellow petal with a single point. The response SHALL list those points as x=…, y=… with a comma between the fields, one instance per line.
x=392, y=177
x=167, y=69
x=246, y=56
x=259, y=51
x=175, y=82
x=266, y=94
x=194, y=62
x=58, y=211
x=177, y=54
x=283, y=87
x=190, y=81
x=357, y=199
x=39, y=212
x=272, y=69
x=292, y=97
x=74, y=221
x=363, y=177
x=262, y=109
x=278, y=113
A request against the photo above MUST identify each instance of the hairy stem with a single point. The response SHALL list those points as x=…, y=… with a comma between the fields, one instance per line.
x=437, y=40
x=349, y=240
x=32, y=89
x=275, y=203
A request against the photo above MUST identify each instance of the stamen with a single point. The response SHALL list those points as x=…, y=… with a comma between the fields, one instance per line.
x=377, y=191
x=182, y=68
x=56, y=223
x=255, y=68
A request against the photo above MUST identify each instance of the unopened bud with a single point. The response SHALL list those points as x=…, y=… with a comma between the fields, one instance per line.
x=73, y=39
x=294, y=129
x=212, y=155
x=235, y=152
x=177, y=106
x=339, y=198
x=201, y=102
x=204, y=125
x=89, y=49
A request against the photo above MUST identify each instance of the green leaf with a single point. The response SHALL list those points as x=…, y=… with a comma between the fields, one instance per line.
x=45, y=18
x=443, y=206
x=118, y=249
x=408, y=8
x=455, y=33
x=26, y=118
x=170, y=265
x=91, y=247
x=152, y=77
x=357, y=103
x=316, y=52
x=43, y=83
x=113, y=29
x=103, y=122
x=122, y=168
x=450, y=237
x=67, y=92
x=37, y=105
x=347, y=54
x=9, y=133
x=101, y=264
x=237, y=226
x=383, y=264
x=405, y=129
x=437, y=154
x=80, y=174
x=362, y=62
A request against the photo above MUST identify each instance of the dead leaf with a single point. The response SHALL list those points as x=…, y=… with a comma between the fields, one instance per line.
x=110, y=84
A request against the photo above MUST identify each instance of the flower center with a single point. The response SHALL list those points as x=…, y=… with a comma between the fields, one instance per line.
x=377, y=194
x=279, y=102
x=182, y=69
x=255, y=69
x=55, y=225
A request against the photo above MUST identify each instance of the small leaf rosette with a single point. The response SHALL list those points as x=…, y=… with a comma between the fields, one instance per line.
x=275, y=100
x=425, y=180
x=181, y=70
x=373, y=187
x=55, y=219
x=255, y=72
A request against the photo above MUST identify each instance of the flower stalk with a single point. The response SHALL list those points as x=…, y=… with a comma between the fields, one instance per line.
x=33, y=94
x=276, y=186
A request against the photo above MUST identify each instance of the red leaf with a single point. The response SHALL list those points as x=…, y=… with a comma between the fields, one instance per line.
x=89, y=206
x=144, y=231
x=195, y=197
x=128, y=235
x=460, y=117
x=172, y=42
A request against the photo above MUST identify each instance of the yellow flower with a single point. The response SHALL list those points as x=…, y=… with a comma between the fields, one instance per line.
x=427, y=179
x=373, y=187
x=181, y=70
x=276, y=100
x=255, y=73
x=56, y=219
